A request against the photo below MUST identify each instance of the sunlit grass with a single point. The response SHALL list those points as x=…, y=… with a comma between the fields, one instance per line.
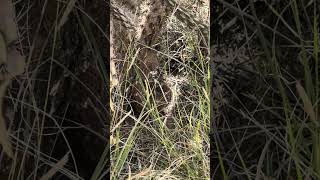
x=151, y=145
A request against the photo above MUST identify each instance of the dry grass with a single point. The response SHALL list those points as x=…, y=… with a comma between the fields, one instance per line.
x=169, y=143
x=43, y=119
x=267, y=127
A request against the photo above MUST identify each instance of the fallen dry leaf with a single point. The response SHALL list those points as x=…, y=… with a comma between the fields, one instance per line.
x=55, y=88
x=307, y=105
x=66, y=13
x=56, y=167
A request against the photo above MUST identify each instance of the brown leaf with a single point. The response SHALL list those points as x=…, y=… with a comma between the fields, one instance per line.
x=66, y=13
x=55, y=88
x=56, y=167
x=307, y=105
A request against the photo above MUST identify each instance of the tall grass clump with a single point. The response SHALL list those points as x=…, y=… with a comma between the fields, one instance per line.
x=279, y=109
x=43, y=106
